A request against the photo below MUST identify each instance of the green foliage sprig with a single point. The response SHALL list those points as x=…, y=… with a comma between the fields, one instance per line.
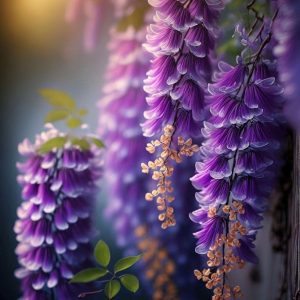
x=64, y=108
x=114, y=280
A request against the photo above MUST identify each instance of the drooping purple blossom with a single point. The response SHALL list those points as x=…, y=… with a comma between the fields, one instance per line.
x=242, y=141
x=286, y=31
x=240, y=160
x=54, y=225
x=181, y=39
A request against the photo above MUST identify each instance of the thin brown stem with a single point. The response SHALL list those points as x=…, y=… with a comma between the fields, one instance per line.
x=251, y=7
x=83, y=295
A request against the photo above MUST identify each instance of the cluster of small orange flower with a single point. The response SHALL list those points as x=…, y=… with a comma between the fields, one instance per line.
x=221, y=258
x=160, y=267
x=162, y=169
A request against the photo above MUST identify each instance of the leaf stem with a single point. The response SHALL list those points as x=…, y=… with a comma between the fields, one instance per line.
x=83, y=295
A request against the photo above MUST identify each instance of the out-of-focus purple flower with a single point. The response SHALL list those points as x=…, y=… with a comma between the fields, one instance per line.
x=119, y=119
x=287, y=31
x=181, y=39
x=54, y=221
x=240, y=160
x=92, y=11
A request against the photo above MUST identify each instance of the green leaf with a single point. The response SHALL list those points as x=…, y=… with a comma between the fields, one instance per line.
x=88, y=275
x=126, y=263
x=58, y=98
x=82, y=143
x=56, y=115
x=112, y=288
x=102, y=253
x=73, y=123
x=130, y=282
x=98, y=142
x=57, y=142
x=82, y=112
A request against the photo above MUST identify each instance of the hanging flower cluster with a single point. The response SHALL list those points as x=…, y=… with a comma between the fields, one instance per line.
x=92, y=11
x=241, y=155
x=287, y=51
x=181, y=39
x=54, y=226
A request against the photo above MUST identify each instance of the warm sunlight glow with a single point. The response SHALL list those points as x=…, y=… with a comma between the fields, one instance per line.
x=36, y=22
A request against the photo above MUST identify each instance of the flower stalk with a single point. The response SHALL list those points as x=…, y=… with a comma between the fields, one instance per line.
x=235, y=177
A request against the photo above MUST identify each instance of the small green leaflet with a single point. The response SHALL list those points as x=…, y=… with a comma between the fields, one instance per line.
x=126, y=263
x=58, y=99
x=56, y=115
x=130, y=282
x=55, y=143
x=64, y=108
x=102, y=253
x=112, y=282
x=88, y=275
x=73, y=123
x=98, y=142
x=112, y=288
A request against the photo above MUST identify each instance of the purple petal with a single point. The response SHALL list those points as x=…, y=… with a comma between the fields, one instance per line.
x=208, y=234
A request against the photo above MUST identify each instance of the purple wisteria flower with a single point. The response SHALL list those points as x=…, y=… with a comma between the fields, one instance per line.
x=286, y=32
x=240, y=160
x=92, y=11
x=182, y=39
x=54, y=225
